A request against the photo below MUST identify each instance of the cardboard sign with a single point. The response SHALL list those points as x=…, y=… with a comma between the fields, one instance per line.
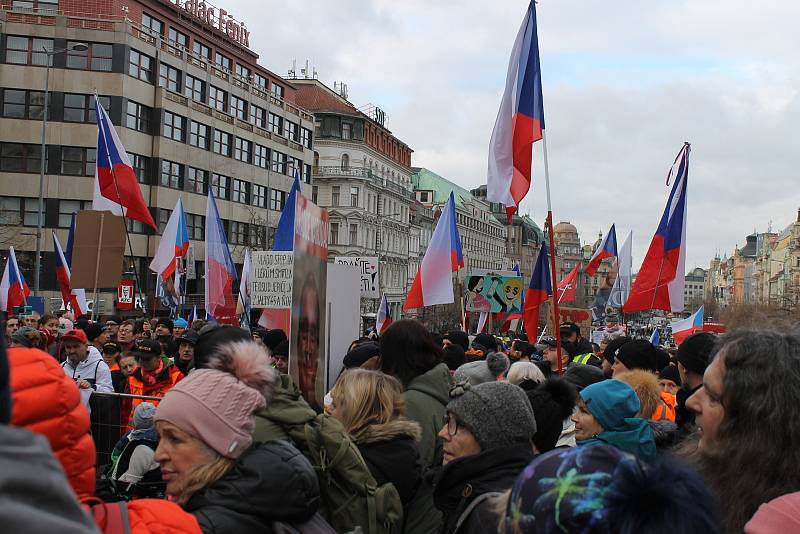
x=271, y=280
x=368, y=271
x=344, y=308
x=579, y=316
x=493, y=293
x=98, y=249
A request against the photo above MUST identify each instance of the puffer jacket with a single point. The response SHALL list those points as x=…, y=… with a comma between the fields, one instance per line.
x=270, y=482
x=46, y=401
x=95, y=370
x=286, y=408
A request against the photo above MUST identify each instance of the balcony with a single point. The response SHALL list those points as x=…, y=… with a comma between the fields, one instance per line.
x=365, y=174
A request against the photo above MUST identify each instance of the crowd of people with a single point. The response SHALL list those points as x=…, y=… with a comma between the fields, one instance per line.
x=172, y=427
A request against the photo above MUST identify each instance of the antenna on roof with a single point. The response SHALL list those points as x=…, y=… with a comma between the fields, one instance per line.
x=293, y=69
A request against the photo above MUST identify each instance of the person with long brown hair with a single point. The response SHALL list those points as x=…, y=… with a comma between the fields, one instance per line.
x=371, y=408
x=749, y=432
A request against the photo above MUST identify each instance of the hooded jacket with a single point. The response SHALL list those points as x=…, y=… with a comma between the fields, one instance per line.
x=426, y=397
x=270, y=482
x=286, y=408
x=94, y=369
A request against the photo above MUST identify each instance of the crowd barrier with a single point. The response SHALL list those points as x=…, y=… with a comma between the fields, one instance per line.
x=110, y=416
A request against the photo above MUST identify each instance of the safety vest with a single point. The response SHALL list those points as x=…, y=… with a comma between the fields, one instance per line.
x=166, y=379
x=665, y=408
x=583, y=358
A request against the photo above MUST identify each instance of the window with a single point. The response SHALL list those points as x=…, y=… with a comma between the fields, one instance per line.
x=171, y=174
x=201, y=50
x=293, y=164
x=97, y=57
x=174, y=126
x=141, y=165
x=19, y=157
x=169, y=77
x=153, y=24
x=239, y=108
x=291, y=130
x=242, y=149
x=335, y=195
x=138, y=117
x=221, y=185
x=66, y=208
x=240, y=191
x=354, y=234
x=217, y=98
x=239, y=232
x=80, y=108
x=278, y=162
x=196, y=225
x=334, y=240
x=30, y=213
x=242, y=71
x=21, y=104
x=196, y=180
x=261, y=157
x=314, y=194
x=345, y=162
x=38, y=6
x=277, y=199
x=305, y=137
x=258, y=116
x=163, y=219
x=259, y=196
x=223, y=62
x=353, y=197
x=306, y=173
x=28, y=50
x=261, y=81
x=276, y=124
x=177, y=38
x=222, y=143
x=277, y=90
x=140, y=66
x=194, y=89
x=10, y=211
x=199, y=135
x=78, y=161
x=346, y=129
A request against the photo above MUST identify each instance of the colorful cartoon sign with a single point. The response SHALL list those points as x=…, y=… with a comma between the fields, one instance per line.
x=493, y=293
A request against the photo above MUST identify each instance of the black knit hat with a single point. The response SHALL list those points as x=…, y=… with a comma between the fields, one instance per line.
x=581, y=376
x=93, y=330
x=613, y=345
x=552, y=402
x=166, y=321
x=282, y=349
x=214, y=335
x=458, y=337
x=695, y=352
x=273, y=337
x=486, y=340
x=638, y=354
x=670, y=372
x=361, y=354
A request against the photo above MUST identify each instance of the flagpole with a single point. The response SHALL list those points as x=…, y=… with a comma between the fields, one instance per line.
x=549, y=224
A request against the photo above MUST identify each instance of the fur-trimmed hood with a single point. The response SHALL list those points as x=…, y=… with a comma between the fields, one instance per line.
x=645, y=384
x=392, y=430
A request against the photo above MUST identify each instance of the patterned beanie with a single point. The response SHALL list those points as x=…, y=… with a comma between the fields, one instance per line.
x=218, y=404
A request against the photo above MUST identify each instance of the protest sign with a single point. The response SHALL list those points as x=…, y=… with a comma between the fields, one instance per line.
x=271, y=280
x=579, y=316
x=493, y=293
x=344, y=308
x=368, y=271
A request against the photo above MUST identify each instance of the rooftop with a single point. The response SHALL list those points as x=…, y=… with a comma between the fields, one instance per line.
x=426, y=180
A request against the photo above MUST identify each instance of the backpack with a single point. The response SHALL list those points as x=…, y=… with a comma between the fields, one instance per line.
x=351, y=497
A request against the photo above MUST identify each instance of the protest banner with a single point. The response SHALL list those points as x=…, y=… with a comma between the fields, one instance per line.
x=307, y=345
x=368, y=271
x=580, y=316
x=271, y=280
x=343, y=311
x=493, y=293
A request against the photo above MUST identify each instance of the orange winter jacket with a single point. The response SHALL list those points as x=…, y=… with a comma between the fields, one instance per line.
x=144, y=516
x=47, y=401
x=666, y=407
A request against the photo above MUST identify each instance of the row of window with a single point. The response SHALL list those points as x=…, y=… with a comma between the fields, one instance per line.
x=26, y=158
x=26, y=104
x=22, y=50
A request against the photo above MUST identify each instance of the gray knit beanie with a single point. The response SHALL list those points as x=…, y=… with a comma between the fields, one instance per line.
x=497, y=413
x=480, y=371
x=143, y=416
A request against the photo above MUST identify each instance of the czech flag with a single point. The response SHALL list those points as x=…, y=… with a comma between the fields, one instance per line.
x=116, y=188
x=655, y=338
x=220, y=270
x=75, y=298
x=384, y=317
x=660, y=282
x=520, y=121
x=511, y=322
x=686, y=327
x=13, y=288
x=568, y=287
x=284, y=233
x=607, y=249
x=538, y=291
x=173, y=245
x=433, y=283
x=193, y=315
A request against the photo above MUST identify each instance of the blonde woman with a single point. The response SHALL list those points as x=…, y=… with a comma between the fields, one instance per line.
x=371, y=408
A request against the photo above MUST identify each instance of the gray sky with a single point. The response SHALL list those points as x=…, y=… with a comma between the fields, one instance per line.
x=625, y=83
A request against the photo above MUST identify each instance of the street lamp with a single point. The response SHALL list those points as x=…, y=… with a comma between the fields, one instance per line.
x=49, y=53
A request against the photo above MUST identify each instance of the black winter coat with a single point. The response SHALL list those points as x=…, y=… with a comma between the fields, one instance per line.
x=270, y=482
x=464, y=479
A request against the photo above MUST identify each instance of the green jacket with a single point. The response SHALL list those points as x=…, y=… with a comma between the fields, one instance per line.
x=426, y=397
x=286, y=408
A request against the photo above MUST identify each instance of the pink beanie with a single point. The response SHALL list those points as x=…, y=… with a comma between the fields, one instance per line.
x=778, y=515
x=218, y=404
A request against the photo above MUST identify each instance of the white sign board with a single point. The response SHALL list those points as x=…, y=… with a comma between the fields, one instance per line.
x=271, y=280
x=368, y=271
x=343, y=304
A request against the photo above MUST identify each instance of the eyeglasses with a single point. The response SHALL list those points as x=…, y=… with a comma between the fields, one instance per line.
x=451, y=423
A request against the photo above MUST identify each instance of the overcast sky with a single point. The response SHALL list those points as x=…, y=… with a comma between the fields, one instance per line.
x=625, y=83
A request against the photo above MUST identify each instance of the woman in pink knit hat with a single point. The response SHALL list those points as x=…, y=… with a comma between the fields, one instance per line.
x=207, y=457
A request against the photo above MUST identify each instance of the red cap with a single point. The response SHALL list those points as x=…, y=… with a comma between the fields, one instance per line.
x=76, y=335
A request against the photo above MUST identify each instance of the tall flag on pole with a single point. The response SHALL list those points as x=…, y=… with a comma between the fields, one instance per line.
x=607, y=249
x=622, y=285
x=538, y=292
x=384, y=317
x=173, y=245
x=660, y=282
x=243, y=300
x=14, y=290
x=520, y=121
x=686, y=327
x=568, y=287
x=433, y=283
x=116, y=188
x=220, y=270
x=70, y=241
x=284, y=233
x=76, y=298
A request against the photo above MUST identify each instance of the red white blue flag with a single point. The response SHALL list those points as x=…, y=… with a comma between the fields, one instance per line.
x=14, y=289
x=173, y=245
x=220, y=269
x=520, y=121
x=538, y=292
x=74, y=298
x=660, y=282
x=686, y=327
x=116, y=188
x=384, y=317
x=607, y=249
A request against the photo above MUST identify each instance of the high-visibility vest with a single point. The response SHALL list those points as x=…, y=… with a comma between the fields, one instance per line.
x=583, y=358
x=665, y=408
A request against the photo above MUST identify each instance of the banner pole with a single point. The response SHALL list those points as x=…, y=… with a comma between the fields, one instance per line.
x=549, y=225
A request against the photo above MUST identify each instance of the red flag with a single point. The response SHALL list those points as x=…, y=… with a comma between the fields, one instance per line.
x=568, y=287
